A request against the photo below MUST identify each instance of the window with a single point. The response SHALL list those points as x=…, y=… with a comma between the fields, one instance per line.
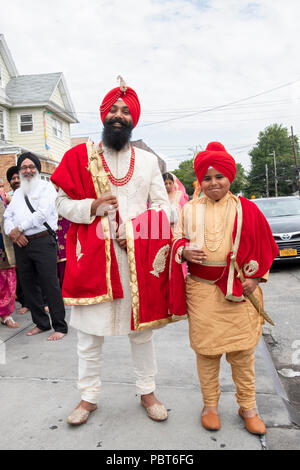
x=45, y=177
x=57, y=127
x=25, y=123
x=2, y=136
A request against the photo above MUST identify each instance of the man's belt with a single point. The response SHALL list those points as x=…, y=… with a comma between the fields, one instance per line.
x=207, y=273
x=37, y=235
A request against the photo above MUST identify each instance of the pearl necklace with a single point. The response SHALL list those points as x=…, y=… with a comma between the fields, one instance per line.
x=118, y=181
x=207, y=240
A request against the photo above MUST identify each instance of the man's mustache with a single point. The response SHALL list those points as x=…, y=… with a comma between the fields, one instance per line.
x=111, y=122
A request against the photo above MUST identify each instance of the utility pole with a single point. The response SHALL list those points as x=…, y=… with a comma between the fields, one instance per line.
x=275, y=174
x=267, y=180
x=295, y=157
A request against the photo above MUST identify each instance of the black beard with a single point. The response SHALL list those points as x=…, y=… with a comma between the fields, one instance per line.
x=116, y=138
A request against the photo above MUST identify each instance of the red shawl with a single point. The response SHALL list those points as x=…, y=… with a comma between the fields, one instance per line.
x=254, y=247
x=92, y=274
x=155, y=279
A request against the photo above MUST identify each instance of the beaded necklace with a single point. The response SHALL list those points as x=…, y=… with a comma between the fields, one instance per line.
x=118, y=181
x=219, y=240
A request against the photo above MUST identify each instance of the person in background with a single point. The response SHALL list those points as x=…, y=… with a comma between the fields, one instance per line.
x=8, y=278
x=62, y=229
x=177, y=196
x=35, y=246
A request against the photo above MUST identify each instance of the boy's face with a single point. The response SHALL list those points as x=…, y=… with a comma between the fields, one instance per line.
x=215, y=185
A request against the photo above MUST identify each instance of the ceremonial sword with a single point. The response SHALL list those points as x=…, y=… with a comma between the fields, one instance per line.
x=251, y=297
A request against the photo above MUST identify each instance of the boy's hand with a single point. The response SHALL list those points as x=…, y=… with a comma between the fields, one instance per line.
x=193, y=254
x=250, y=285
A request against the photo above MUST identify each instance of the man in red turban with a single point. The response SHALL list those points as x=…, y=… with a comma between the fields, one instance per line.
x=99, y=188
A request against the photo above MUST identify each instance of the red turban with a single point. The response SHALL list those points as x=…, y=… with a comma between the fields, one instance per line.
x=216, y=156
x=128, y=95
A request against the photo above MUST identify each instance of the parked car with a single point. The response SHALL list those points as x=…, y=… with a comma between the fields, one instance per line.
x=283, y=215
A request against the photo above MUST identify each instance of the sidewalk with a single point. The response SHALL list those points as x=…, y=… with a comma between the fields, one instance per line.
x=38, y=391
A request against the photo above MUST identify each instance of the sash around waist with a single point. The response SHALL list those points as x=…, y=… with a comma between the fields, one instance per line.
x=207, y=273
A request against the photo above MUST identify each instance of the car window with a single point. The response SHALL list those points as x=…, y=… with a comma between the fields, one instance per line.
x=279, y=207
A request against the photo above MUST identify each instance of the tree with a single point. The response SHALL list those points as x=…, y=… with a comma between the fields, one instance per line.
x=186, y=175
x=274, y=138
x=240, y=181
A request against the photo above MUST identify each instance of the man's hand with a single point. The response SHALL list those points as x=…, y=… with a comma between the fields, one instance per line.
x=250, y=285
x=17, y=237
x=121, y=237
x=104, y=204
x=14, y=234
x=22, y=241
x=193, y=254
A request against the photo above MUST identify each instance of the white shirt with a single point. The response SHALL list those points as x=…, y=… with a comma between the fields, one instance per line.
x=42, y=199
x=113, y=318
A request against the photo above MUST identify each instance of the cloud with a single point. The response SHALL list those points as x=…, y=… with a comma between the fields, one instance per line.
x=179, y=55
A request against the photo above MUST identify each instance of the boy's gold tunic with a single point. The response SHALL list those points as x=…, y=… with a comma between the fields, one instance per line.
x=216, y=325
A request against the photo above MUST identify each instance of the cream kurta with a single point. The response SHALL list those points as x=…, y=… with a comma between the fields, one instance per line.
x=113, y=318
x=216, y=325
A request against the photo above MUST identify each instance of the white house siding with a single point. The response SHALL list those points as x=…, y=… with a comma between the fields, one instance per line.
x=57, y=98
x=4, y=72
x=35, y=141
x=58, y=146
x=7, y=127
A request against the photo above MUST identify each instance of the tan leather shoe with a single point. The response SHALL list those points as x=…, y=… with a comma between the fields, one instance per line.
x=156, y=412
x=80, y=415
x=211, y=421
x=255, y=425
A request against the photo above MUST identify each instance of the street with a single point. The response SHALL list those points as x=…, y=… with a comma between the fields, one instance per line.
x=38, y=388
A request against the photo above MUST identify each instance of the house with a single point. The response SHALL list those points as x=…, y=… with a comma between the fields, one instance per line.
x=36, y=112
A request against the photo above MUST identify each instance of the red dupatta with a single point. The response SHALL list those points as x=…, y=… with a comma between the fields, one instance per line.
x=92, y=274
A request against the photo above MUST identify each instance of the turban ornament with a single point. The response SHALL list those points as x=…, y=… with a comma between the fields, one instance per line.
x=217, y=157
x=128, y=95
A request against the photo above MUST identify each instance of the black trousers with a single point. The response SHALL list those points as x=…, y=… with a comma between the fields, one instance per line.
x=37, y=266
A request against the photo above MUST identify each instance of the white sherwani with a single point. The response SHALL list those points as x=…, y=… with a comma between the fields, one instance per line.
x=114, y=318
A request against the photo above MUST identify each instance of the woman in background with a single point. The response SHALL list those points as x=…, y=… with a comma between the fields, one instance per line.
x=177, y=196
x=8, y=279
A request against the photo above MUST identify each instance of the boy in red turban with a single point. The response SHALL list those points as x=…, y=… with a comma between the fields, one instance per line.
x=222, y=320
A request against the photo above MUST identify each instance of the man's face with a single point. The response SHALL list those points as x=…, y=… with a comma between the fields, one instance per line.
x=118, y=126
x=118, y=115
x=15, y=182
x=28, y=169
x=215, y=185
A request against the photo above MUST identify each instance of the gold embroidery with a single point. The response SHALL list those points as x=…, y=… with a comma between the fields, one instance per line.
x=101, y=184
x=251, y=268
x=159, y=263
x=79, y=254
x=178, y=256
x=135, y=300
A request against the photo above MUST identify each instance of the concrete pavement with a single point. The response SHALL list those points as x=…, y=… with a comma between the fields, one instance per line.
x=38, y=391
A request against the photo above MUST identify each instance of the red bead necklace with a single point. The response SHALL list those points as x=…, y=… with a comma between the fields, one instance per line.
x=118, y=181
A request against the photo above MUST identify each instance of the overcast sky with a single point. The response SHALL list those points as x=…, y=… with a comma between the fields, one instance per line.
x=183, y=57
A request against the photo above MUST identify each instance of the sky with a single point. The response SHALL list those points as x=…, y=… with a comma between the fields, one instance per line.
x=204, y=70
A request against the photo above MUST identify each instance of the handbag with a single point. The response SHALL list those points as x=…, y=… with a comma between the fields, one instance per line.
x=49, y=229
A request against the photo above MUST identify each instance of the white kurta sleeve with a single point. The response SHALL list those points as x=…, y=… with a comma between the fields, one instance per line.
x=157, y=194
x=78, y=212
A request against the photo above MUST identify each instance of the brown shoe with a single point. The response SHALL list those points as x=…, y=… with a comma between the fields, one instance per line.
x=211, y=421
x=80, y=415
x=255, y=425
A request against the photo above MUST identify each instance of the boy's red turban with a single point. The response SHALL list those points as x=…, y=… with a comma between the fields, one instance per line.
x=128, y=95
x=216, y=156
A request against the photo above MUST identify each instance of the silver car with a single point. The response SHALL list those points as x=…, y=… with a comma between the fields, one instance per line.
x=283, y=215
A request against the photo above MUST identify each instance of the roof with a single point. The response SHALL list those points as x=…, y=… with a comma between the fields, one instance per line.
x=141, y=144
x=37, y=90
x=32, y=88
